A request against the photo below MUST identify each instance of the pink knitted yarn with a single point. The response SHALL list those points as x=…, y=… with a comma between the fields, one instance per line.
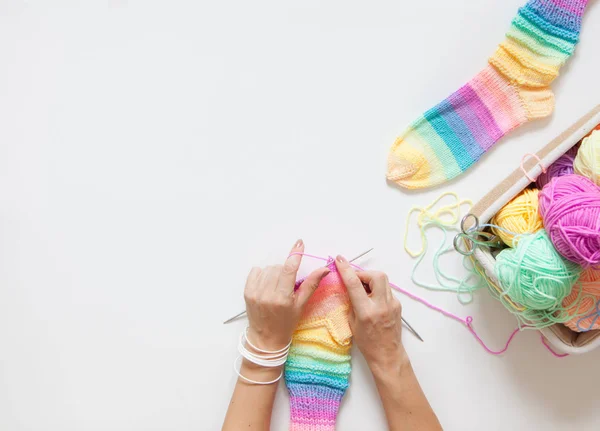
x=570, y=209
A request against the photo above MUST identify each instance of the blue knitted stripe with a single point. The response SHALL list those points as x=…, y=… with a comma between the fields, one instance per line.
x=527, y=27
x=314, y=392
x=556, y=15
x=312, y=378
x=547, y=27
x=455, y=133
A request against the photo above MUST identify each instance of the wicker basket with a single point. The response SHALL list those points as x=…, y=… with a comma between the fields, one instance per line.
x=561, y=337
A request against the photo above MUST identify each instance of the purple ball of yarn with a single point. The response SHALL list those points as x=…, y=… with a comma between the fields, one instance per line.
x=562, y=166
x=570, y=208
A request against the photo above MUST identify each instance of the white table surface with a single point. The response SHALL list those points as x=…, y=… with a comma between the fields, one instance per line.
x=152, y=152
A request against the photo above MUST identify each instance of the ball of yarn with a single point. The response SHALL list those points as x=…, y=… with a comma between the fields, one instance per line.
x=582, y=307
x=570, y=209
x=534, y=275
x=587, y=160
x=590, y=281
x=519, y=216
x=562, y=166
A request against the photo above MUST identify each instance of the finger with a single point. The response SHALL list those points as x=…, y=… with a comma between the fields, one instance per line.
x=252, y=278
x=251, y=289
x=271, y=277
x=289, y=272
x=377, y=282
x=309, y=285
x=352, y=320
x=355, y=288
x=267, y=281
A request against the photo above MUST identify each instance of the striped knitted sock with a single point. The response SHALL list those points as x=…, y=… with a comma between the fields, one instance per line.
x=318, y=365
x=512, y=90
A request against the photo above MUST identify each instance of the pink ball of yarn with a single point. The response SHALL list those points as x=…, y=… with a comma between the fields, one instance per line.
x=570, y=209
x=562, y=166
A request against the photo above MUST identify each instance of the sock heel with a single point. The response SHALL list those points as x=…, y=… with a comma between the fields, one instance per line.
x=537, y=102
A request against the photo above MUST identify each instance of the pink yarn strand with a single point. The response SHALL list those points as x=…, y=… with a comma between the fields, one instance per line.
x=468, y=321
x=558, y=355
x=493, y=352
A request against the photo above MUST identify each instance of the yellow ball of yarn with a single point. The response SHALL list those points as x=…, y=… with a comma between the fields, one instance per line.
x=519, y=216
x=587, y=160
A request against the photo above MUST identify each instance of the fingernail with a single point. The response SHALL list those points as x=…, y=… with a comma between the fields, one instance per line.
x=299, y=243
x=340, y=258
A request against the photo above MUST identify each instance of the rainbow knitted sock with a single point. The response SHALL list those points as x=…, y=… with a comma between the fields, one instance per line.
x=318, y=365
x=512, y=90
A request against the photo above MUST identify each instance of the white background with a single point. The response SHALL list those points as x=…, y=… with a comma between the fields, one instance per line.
x=152, y=152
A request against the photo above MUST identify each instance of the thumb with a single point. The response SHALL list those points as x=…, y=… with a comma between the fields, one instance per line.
x=309, y=285
x=351, y=319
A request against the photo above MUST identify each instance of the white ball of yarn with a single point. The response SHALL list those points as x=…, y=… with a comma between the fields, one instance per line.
x=587, y=160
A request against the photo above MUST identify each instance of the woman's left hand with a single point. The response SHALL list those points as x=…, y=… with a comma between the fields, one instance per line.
x=273, y=307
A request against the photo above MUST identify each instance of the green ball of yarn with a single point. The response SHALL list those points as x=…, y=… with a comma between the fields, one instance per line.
x=534, y=275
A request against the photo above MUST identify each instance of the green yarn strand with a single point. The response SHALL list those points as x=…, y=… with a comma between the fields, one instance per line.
x=463, y=287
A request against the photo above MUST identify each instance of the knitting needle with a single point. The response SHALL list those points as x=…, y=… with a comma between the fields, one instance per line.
x=411, y=328
x=408, y=325
x=244, y=312
x=234, y=317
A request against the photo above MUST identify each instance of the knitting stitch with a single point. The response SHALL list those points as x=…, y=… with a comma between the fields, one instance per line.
x=318, y=365
x=512, y=90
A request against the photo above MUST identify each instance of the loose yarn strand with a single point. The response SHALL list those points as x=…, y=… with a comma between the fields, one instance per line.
x=428, y=217
x=547, y=346
x=459, y=286
x=595, y=315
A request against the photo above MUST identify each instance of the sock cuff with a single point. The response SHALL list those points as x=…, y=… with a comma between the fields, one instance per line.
x=565, y=14
x=313, y=407
x=548, y=27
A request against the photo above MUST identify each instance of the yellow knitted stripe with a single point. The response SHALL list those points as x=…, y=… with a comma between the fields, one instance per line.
x=336, y=322
x=521, y=67
x=547, y=54
x=322, y=337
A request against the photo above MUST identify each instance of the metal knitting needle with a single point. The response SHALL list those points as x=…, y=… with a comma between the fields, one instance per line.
x=351, y=260
x=234, y=317
x=408, y=325
x=411, y=328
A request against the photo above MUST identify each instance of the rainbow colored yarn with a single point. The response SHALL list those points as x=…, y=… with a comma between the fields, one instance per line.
x=512, y=90
x=318, y=365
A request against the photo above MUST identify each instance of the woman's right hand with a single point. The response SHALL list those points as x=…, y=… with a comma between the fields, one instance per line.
x=375, y=318
x=376, y=325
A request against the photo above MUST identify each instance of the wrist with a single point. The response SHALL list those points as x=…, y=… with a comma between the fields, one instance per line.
x=266, y=342
x=258, y=366
x=258, y=369
x=250, y=373
x=390, y=365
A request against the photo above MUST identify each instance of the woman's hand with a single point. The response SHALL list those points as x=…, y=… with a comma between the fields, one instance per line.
x=375, y=319
x=273, y=307
x=377, y=328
